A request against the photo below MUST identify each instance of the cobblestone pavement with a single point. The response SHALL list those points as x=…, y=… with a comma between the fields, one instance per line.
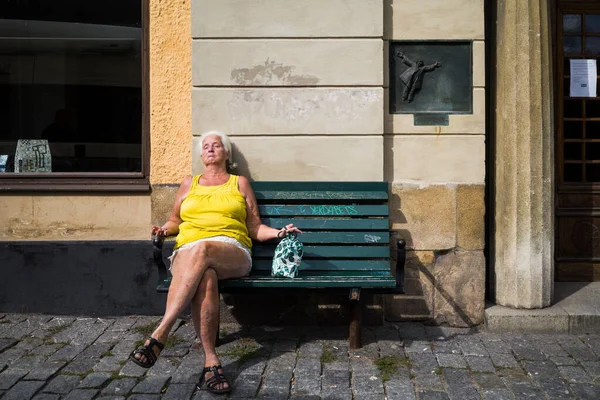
x=51, y=357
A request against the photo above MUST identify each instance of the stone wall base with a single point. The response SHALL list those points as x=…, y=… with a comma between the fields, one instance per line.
x=448, y=288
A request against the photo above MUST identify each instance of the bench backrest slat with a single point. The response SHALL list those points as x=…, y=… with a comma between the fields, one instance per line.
x=332, y=224
x=342, y=237
x=330, y=252
x=277, y=186
x=325, y=210
x=330, y=265
x=326, y=195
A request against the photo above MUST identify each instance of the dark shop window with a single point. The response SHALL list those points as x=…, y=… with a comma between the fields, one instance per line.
x=73, y=95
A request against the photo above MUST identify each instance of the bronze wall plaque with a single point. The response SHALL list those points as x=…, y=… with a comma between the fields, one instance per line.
x=431, y=77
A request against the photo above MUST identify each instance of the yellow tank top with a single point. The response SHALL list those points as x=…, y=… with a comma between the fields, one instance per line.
x=209, y=211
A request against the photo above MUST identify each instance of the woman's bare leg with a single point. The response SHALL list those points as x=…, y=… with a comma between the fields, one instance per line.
x=205, y=313
x=227, y=260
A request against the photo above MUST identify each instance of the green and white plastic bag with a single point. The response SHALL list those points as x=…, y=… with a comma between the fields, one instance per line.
x=287, y=258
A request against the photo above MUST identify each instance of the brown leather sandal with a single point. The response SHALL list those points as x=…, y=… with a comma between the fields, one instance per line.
x=215, y=380
x=146, y=351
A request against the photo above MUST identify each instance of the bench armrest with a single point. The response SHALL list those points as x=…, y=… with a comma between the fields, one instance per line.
x=400, y=261
x=157, y=243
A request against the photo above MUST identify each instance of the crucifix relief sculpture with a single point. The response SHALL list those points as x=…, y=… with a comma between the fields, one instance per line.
x=412, y=77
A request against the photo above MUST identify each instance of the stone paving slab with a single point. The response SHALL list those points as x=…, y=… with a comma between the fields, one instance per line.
x=87, y=358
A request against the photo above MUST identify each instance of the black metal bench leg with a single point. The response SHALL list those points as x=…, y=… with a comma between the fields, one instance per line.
x=354, y=341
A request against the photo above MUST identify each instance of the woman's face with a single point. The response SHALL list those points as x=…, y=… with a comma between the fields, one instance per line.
x=213, y=151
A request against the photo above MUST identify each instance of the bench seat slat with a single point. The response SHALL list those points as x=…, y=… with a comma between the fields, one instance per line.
x=322, y=283
x=319, y=186
x=326, y=210
x=330, y=265
x=308, y=282
x=330, y=251
x=325, y=224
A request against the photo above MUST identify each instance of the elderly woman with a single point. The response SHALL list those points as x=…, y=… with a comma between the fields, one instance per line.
x=214, y=216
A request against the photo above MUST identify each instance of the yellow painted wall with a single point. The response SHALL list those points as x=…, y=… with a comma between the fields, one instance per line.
x=170, y=83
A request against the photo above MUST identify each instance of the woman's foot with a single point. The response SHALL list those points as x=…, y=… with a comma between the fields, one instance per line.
x=147, y=354
x=216, y=382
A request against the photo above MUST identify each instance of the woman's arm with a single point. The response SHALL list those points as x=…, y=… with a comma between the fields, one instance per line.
x=256, y=229
x=171, y=227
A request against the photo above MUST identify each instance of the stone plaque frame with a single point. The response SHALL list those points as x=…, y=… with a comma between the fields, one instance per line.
x=447, y=89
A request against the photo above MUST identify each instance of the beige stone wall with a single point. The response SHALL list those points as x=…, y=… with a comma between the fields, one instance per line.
x=74, y=217
x=435, y=19
x=310, y=157
x=299, y=83
x=286, y=19
x=437, y=175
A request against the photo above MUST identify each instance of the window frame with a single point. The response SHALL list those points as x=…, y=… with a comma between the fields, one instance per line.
x=97, y=181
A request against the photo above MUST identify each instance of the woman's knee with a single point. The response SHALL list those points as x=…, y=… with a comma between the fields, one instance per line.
x=201, y=254
x=201, y=249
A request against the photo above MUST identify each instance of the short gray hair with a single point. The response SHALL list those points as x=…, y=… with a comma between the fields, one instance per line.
x=226, y=143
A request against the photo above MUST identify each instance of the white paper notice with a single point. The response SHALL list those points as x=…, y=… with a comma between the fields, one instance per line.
x=583, y=78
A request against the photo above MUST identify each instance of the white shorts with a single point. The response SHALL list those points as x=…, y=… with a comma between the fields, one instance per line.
x=224, y=239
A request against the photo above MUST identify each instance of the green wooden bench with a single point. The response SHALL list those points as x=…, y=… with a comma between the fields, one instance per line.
x=346, y=242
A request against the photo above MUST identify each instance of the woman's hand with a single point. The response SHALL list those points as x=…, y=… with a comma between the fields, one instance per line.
x=159, y=231
x=289, y=228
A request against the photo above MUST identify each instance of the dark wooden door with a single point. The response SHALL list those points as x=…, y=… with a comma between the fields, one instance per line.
x=577, y=155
